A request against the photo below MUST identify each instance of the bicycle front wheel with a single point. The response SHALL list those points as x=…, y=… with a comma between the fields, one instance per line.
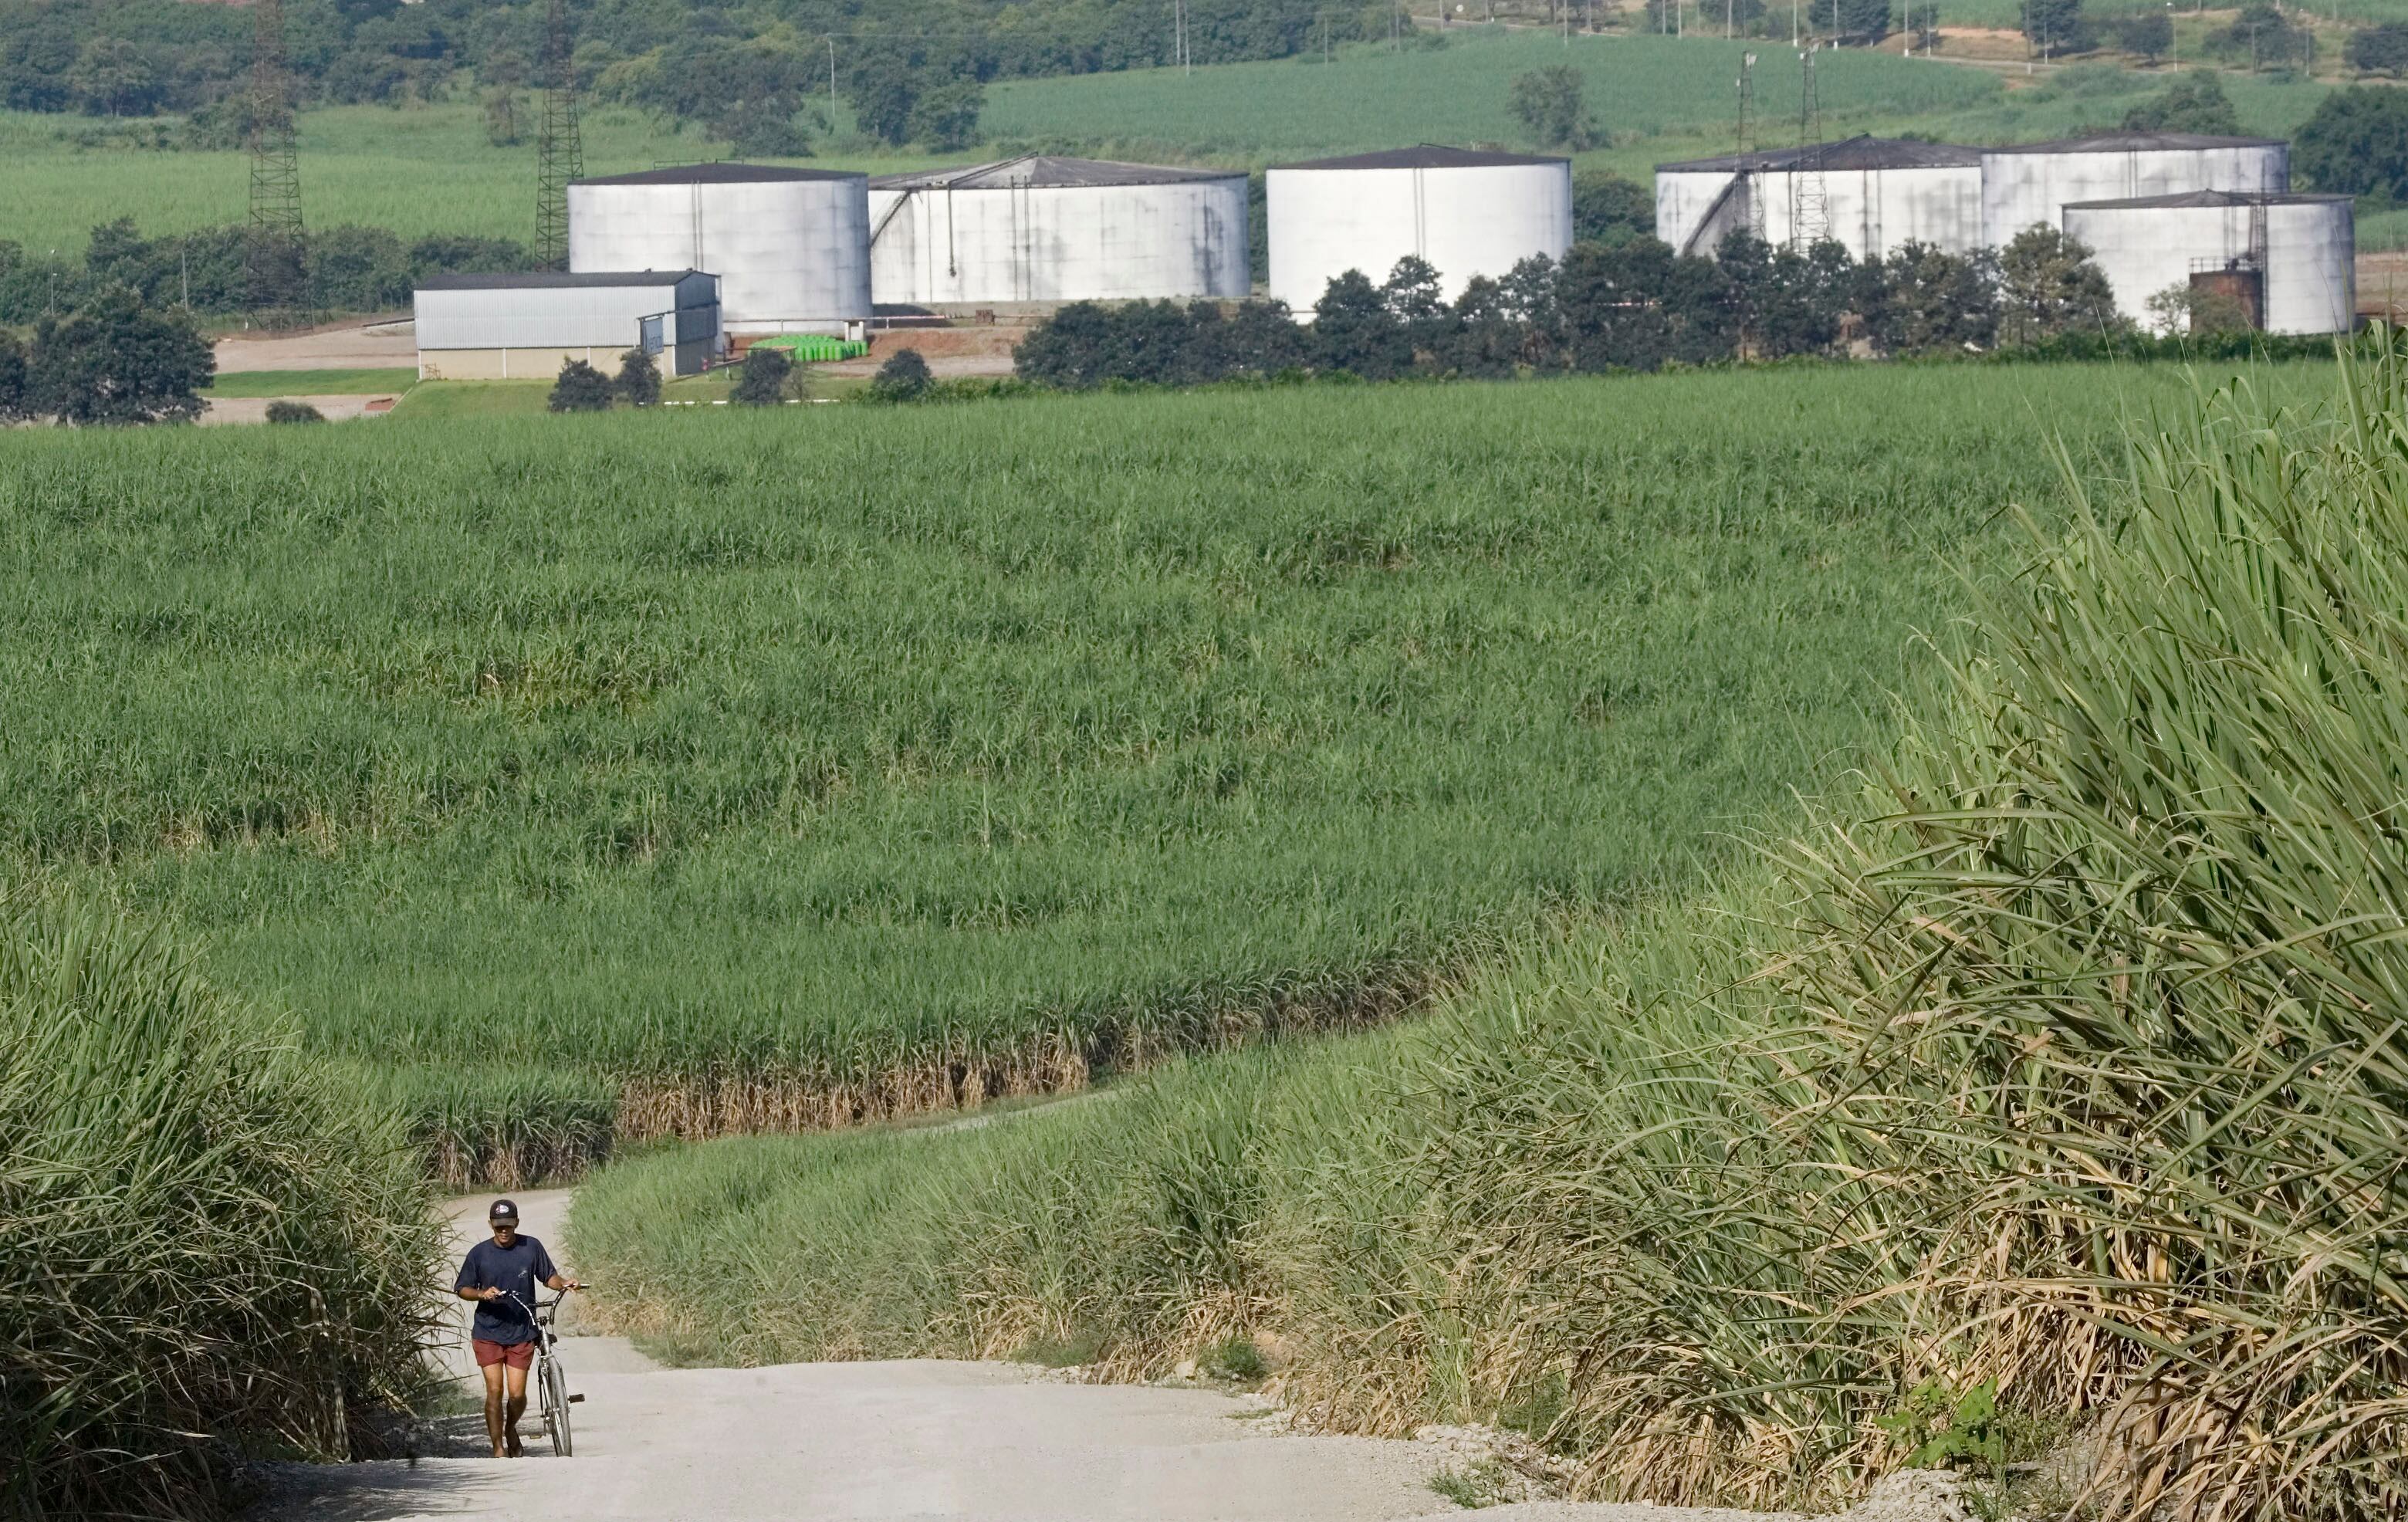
x=555, y=1407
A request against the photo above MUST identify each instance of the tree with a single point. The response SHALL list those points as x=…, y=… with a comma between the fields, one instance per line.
x=1417, y=303
x=2197, y=309
x=2149, y=34
x=2357, y=144
x=2379, y=50
x=2194, y=103
x=1354, y=331
x=1608, y=208
x=1921, y=300
x=2263, y=34
x=112, y=77
x=903, y=378
x=284, y=409
x=2056, y=26
x=502, y=118
x=2047, y=285
x=1548, y=102
x=1864, y=21
x=639, y=380
x=580, y=388
x=763, y=382
x=16, y=396
x=116, y=360
x=916, y=91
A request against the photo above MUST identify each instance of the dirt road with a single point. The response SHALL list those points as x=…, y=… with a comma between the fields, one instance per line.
x=882, y=1442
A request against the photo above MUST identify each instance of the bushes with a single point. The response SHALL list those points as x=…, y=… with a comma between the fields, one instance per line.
x=286, y=411
x=580, y=388
x=204, y=1246
x=638, y=380
x=764, y=377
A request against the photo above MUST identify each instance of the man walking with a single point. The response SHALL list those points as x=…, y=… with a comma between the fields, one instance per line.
x=501, y=1274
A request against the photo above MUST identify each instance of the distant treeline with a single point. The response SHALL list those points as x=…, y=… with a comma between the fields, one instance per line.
x=910, y=68
x=1639, y=307
x=348, y=268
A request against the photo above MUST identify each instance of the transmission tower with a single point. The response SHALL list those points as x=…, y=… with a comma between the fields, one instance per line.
x=1810, y=201
x=1752, y=179
x=272, y=249
x=560, y=149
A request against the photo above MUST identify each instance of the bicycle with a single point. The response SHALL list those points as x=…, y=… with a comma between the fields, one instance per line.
x=553, y=1399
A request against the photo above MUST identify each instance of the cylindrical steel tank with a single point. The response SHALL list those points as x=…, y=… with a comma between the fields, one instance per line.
x=1877, y=195
x=2028, y=184
x=791, y=247
x=2292, y=257
x=1466, y=213
x=1041, y=228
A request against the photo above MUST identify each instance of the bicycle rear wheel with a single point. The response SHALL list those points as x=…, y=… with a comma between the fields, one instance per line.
x=555, y=1407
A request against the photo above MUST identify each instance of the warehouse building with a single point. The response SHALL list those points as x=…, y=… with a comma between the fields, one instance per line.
x=1870, y=194
x=791, y=247
x=1041, y=228
x=2290, y=261
x=1464, y=212
x=2030, y=184
x=498, y=327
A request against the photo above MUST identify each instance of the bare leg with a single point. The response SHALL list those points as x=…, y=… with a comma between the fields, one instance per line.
x=513, y=1410
x=494, y=1428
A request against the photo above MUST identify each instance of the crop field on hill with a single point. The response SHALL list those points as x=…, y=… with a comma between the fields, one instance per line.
x=703, y=772
x=2040, y=1085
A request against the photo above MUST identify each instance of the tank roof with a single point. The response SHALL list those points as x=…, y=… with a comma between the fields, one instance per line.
x=552, y=280
x=720, y=174
x=1048, y=172
x=2136, y=142
x=2208, y=198
x=1427, y=157
x=1862, y=151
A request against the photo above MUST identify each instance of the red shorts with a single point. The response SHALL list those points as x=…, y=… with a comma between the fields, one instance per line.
x=515, y=1354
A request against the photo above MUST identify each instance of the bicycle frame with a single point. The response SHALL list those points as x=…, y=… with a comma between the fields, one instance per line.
x=553, y=1399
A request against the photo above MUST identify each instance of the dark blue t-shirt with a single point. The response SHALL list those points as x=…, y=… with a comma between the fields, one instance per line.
x=518, y=1269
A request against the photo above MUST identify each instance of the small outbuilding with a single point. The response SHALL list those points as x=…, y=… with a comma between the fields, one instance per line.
x=523, y=327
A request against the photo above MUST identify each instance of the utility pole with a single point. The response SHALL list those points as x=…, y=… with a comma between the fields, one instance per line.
x=831, y=42
x=1752, y=180
x=272, y=251
x=560, y=153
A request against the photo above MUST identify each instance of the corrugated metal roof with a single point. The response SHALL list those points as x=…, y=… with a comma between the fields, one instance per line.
x=2136, y=142
x=552, y=280
x=1426, y=156
x=1858, y=153
x=2207, y=198
x=1048, y=172
x=720, y=174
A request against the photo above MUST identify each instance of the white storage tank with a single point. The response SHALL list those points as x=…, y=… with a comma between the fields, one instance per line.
x=2291, y=258
x=1466, y=212
x=1878, y=194
x=1041, y=228
x=791, y=247
x=2028, y=184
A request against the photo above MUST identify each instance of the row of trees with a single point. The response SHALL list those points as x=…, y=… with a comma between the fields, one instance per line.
x=113, y=360
x=346, y=268
x=750, y=69
x=1636, y=307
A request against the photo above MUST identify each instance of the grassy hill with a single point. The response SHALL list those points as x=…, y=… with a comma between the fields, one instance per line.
x=705, y=771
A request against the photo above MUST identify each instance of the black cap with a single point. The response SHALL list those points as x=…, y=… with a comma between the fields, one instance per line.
x=503, y=1210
